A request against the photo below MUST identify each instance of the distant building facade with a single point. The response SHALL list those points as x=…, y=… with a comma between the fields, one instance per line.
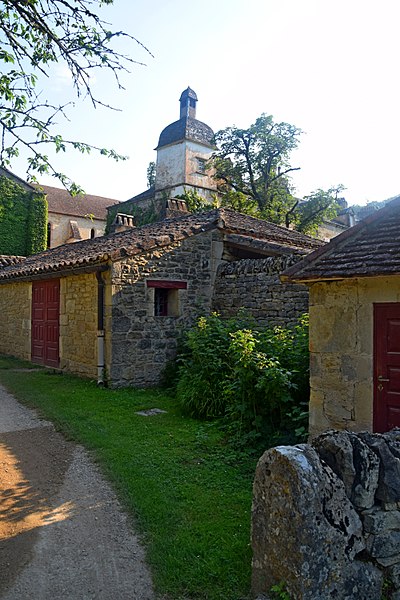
x=71, y=219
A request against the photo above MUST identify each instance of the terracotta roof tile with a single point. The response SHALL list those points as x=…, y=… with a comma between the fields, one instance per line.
x=370, y=248
x=61, y=202
x=89, y=253
x=6, y=260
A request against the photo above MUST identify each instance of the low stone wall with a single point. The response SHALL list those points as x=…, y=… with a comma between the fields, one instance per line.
x=254, y=285
x=326, y=518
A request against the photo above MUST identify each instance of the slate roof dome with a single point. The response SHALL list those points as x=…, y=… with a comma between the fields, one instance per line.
x=188, y=127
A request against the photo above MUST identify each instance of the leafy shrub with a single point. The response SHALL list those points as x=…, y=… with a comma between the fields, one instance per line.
x=204, y=364
x=256, y=380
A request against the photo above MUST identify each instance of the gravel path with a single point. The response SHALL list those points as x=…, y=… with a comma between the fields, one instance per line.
x=62, y=532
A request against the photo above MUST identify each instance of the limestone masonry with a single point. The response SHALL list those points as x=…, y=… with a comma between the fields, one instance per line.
x=326, y=518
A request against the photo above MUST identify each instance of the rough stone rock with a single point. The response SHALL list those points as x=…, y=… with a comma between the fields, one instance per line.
x=389, y=561
x=366, y=465
x=388, y=490
x=353, y=462
x=394, y=575
x=394, y=447
x=393, y=434
x=305, y=530
x=385, y=545
x=335, y=448
x=376, y=520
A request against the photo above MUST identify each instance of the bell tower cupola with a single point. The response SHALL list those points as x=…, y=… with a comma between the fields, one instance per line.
x=188, y=101
x=183, y=151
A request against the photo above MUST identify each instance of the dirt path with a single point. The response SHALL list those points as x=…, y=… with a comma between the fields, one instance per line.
x=62, y=531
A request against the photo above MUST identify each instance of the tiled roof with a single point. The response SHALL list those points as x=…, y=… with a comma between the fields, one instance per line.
x=370, y=248
x=61, y=202
x=186, y=128
x=90, y=253
x=6, y=260
x=234, y=222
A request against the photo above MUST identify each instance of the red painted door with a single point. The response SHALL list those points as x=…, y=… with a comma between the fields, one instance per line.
x=386, y=366
x=45, y=322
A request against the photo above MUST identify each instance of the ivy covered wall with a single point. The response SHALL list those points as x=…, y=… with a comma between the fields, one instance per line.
x=23, y=219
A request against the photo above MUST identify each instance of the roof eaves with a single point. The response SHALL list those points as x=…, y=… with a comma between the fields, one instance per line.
x=294, y=273
x=58, y=269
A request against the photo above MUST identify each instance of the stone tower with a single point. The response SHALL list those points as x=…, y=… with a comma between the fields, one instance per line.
x=182, y=152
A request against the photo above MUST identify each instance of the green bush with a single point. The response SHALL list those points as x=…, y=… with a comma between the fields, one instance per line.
x=256, y=380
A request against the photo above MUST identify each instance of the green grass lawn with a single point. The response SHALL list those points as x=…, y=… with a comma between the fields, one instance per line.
x=189, y=493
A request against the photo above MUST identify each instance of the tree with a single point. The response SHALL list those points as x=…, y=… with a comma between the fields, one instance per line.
x=318, y=206
x=252, y=168
x=35, y=34
x=151, y=174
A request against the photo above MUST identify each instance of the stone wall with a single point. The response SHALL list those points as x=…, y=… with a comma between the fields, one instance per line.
x=143, y=343
x=15, y=319
x=254, y=284
x=341, y=346
x=326, y=518
x=78, y=324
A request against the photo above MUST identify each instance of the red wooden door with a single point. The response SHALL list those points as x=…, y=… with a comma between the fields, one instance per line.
x=386, y=366
x=45, y=322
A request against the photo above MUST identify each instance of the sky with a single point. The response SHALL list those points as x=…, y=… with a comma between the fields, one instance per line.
x=329, y=67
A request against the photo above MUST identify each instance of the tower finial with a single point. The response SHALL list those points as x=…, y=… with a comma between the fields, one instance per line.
x=188, y=102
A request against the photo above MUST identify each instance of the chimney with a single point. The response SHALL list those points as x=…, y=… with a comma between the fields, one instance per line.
x=122, y=223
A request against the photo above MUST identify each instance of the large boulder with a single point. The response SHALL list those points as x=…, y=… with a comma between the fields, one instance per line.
x=305, y=531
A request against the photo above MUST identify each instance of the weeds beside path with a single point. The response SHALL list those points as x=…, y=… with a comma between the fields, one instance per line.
x=190, y=494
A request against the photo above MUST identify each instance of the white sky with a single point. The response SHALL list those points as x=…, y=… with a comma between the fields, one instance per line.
x=330, y=67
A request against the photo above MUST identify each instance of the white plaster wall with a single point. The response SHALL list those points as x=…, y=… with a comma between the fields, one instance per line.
x=61, y=230
x=177, y=164
x=170, y=168
x=193, y=177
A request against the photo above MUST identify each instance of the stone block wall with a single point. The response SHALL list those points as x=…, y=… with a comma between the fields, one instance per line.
x=341, y=346
x=15, y=319
x=78, y=324
x=326, y=518
x=254, y=285
x=142, y=343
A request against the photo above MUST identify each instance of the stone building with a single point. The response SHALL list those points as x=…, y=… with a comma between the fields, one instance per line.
x=68, y=219
x=183, y=149
x=74, y=218
x=354, y=285
x=113, y=306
